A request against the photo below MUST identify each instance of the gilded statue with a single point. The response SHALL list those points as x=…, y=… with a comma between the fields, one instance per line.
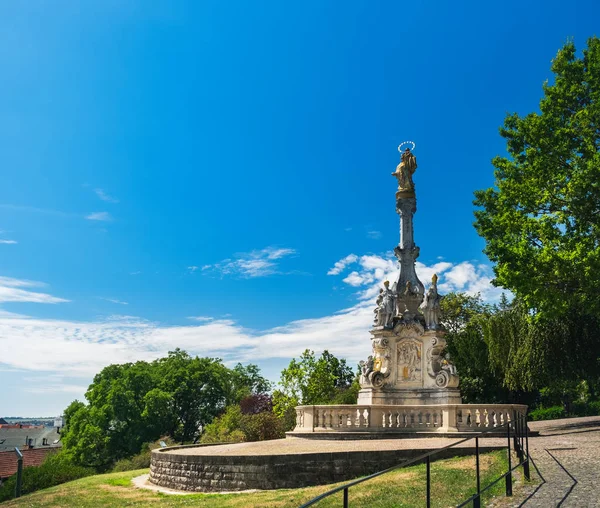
x=405, y=170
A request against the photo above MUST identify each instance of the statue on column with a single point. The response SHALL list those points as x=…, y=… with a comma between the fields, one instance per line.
x=378, y=304
x=431, y=305
x=405, y=170
x=385, y=309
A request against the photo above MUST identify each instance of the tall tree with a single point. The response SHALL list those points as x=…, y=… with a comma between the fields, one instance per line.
x=464, y=317
x=541, y=221
x=314, y=380
x=134, y=403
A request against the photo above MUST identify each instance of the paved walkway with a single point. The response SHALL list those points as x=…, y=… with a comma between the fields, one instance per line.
x=567, y=455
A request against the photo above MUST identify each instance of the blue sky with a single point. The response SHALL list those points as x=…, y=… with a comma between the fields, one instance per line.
x=187, y=174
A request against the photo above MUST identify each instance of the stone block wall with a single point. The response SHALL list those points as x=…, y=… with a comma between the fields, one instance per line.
x=210, y=473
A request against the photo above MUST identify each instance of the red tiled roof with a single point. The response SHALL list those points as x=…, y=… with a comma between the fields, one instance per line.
x=31, y=457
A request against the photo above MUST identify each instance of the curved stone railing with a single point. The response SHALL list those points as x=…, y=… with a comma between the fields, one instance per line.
x=434, y=418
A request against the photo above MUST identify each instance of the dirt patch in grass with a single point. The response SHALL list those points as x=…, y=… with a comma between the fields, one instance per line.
x=468, y=463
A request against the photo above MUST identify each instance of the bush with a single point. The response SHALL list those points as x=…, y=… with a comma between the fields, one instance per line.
x=585, y=409
x=57, y=468
x=142, y=459
x=139, y=461
x=254, y=404
x=234, y=426
x=262, y=426
x=549, y=413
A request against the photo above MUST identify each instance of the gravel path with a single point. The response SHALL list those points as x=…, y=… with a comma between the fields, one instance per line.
x=299, y=446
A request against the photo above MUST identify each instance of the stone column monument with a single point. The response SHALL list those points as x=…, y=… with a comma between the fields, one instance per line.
x=408, y=366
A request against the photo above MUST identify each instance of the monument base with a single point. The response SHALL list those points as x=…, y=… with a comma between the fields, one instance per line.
x=410, y=397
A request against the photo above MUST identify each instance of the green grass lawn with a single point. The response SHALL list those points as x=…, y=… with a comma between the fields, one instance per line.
x=453, y=480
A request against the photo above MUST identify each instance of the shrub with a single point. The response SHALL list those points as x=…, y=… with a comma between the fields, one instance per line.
x=585, y=409
x=139, y=461
x=233, y=426
x=142, y=459
x=57, y=468
x=254, y=404
x=225, y=428
x=549, y=413
x=262, y=426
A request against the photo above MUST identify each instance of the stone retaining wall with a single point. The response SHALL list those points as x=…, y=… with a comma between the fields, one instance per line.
x=208, y=473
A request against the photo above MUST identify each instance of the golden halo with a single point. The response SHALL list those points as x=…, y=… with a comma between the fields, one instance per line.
x=406, y=143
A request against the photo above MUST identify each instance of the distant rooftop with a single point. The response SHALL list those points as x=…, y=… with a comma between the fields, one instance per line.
x=28, y=436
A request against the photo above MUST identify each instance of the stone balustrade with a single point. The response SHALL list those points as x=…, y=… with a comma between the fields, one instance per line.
x=403, y=418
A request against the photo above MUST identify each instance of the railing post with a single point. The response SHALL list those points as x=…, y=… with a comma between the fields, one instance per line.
x=19, y=484
x=346, y=497
x=477, y=500
x=515, y=420
x=526, y=463
x=428, y=481
x=508, y=477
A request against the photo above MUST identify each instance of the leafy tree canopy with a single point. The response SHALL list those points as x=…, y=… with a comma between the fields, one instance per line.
x=314, y=380
x=541, y=221
x=135, y=403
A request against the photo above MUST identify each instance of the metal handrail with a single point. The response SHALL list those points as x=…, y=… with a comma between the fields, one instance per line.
x=519, y=442
x=19, y=484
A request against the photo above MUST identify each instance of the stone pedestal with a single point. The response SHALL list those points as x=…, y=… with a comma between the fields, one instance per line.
x=407, y=368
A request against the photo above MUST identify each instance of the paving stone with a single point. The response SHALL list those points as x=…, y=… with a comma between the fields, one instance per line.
x=567, y=453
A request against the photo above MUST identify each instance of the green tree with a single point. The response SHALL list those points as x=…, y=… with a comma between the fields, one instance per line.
x=553, y=352
x=312, y=380
x=137, y=403
x=541, y=221
x=464, y=316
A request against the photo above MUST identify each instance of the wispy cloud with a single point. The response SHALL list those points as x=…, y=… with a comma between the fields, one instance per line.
x=202, y=319
x=135, y=273
x=192, y=268
x=33, y=209
x=374, y=235
x=342, y=263
x=105, y=197
x=11, y=291
x=114, y=300
x=258, y=263
x=82, y=348
x=99, y=216
x=8, y=242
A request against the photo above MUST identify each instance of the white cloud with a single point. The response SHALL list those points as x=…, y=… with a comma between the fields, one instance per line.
x=192, y=268
x=114, y=300
x=472, y=279
x=374, y=235
x=355, y=279
x=257, y=263
x=10, y=291
x=373, y=270
x=81, y=348
x=99, y=216
x=341, y=265
x=8, y=242
x=135, y=273
x=105, y=197
x=46, y=388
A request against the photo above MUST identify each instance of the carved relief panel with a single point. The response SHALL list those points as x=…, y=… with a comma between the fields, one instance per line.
x=410, y=362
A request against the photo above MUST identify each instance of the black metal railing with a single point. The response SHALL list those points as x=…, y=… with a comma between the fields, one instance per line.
x=516, y=431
